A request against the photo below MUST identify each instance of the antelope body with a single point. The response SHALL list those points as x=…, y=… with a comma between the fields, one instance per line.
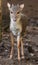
x=16, y=27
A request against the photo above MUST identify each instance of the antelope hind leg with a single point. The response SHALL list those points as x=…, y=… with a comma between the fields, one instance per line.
x=22, y=49
x=12, y=44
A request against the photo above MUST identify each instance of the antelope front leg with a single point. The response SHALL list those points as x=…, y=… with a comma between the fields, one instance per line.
x=22, y=49
x=12, y=44
x=18, y=46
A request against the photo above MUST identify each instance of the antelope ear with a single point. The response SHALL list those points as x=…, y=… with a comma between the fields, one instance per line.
x=8, y=4
x=22, y=6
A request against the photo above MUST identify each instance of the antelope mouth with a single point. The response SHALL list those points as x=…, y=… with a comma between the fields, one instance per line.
x=14, y=20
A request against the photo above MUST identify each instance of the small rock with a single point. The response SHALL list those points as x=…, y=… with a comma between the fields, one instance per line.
x=31, y=54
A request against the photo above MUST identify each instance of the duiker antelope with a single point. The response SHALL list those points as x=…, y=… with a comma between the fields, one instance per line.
x=17, y=27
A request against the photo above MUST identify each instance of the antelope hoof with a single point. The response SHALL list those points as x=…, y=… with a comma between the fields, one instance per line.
x=19, y=58
x=23, y=57
x=10, y=57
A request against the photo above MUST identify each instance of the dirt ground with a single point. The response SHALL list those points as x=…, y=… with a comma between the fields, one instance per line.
x=30, y=51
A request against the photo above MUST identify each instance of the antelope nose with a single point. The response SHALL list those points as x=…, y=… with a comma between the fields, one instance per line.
x=15, y=19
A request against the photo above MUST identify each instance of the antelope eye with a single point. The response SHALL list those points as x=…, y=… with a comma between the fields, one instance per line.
x=11, y=12
x=18, y=12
